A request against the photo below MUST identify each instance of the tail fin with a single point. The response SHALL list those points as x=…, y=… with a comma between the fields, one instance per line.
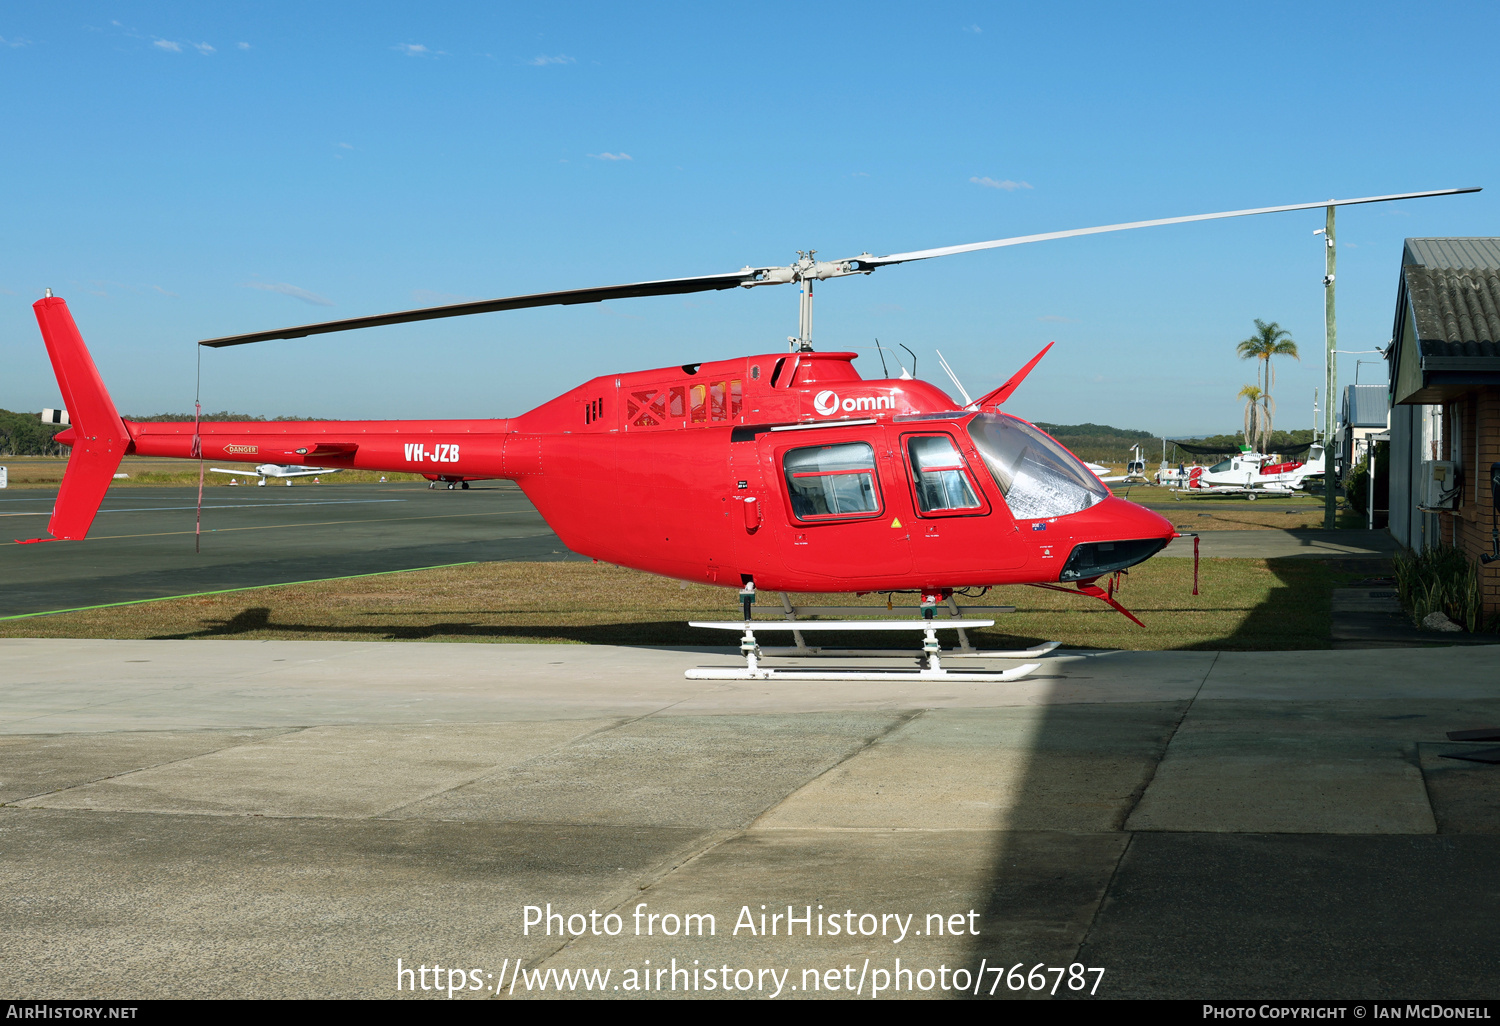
x=100, y=438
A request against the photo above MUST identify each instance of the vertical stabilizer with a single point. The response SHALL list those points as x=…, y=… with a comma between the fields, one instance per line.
x=99, y=435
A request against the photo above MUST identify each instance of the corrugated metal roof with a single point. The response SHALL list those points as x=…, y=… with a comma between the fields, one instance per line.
x=1366, y=406
x=1455, y=309
x=1454, y=287
x=1451, y=297
x=1455, y=254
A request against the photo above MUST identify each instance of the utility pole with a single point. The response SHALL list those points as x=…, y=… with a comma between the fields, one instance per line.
x=1330, y=329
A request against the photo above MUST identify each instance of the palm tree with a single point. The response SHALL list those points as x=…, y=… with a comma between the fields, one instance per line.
x=1269, y=340
x=1253, y=414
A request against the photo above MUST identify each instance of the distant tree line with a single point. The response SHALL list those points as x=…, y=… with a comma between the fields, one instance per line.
x=159, y=418
x=1100, y=443
x=24, y=434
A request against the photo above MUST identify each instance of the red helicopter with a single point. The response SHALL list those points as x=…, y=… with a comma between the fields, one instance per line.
x=783, y=471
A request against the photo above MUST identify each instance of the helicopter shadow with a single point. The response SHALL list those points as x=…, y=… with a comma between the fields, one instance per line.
x=259, y=622
x=1064, y=852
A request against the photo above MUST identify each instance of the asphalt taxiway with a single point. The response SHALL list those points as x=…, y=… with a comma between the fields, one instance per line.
x=142, y=543
x=288, y=819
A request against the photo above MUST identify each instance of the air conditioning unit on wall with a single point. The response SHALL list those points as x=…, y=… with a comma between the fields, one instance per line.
x=1441, y=487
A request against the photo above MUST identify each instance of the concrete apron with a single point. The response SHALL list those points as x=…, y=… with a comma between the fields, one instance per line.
x=288, y=819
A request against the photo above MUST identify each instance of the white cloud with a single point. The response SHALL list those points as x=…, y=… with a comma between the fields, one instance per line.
x=165, y=292
x=418, y=50
x=289, y=290
x=973, y=30
x=860, y=174
x=204, y=49
x=242, y=46
x=1007, y=185
x=611, y=156
x=167, y=44
x=542, y=60
x=14, y=41
x=345, y=146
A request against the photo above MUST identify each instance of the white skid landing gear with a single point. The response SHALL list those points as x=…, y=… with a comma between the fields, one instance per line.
x=929, y=663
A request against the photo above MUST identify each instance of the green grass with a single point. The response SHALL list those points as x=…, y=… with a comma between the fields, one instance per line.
x=1248, y=604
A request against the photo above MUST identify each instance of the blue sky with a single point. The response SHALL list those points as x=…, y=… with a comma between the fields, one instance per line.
x=178, y=171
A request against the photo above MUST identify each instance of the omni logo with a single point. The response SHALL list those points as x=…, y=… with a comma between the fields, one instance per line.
x=828, y=402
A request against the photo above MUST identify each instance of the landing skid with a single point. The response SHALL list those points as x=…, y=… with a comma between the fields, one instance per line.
x=1034, y=652
x=929, y=659
x=795, y=673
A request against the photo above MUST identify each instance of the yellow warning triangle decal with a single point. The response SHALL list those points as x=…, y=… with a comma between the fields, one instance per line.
x=896, y=522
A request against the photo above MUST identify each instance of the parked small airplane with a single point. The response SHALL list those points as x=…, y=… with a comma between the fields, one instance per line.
x=277, y=470
x=1247, y=473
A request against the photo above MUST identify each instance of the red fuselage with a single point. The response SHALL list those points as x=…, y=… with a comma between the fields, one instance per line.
x=788, y=470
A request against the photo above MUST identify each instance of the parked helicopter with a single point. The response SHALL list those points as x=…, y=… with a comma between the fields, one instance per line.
x=781, y=471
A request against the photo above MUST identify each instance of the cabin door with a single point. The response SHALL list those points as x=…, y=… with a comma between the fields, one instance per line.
x=956, y=529
x=840, y=503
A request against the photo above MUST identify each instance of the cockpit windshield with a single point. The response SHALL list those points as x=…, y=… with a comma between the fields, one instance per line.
x=1037, y=476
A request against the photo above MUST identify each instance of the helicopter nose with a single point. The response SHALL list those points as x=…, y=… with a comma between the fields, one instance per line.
x=1112, y=535
x=1136, y=520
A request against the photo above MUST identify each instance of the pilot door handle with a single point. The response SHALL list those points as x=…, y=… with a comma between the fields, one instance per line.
x=751, y=509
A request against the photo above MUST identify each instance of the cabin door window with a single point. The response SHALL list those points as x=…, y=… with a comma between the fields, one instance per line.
x=939, y=476
x=831, y=481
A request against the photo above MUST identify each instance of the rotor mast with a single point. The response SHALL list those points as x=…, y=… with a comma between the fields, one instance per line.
x=803, y=342
x=804, y=271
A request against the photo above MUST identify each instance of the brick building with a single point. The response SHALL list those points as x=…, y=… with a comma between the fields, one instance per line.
x=1444, y=364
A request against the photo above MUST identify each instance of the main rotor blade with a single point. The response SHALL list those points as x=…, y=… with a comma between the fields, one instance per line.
x=926, y=254
x=665, y=287
x=748, y=276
